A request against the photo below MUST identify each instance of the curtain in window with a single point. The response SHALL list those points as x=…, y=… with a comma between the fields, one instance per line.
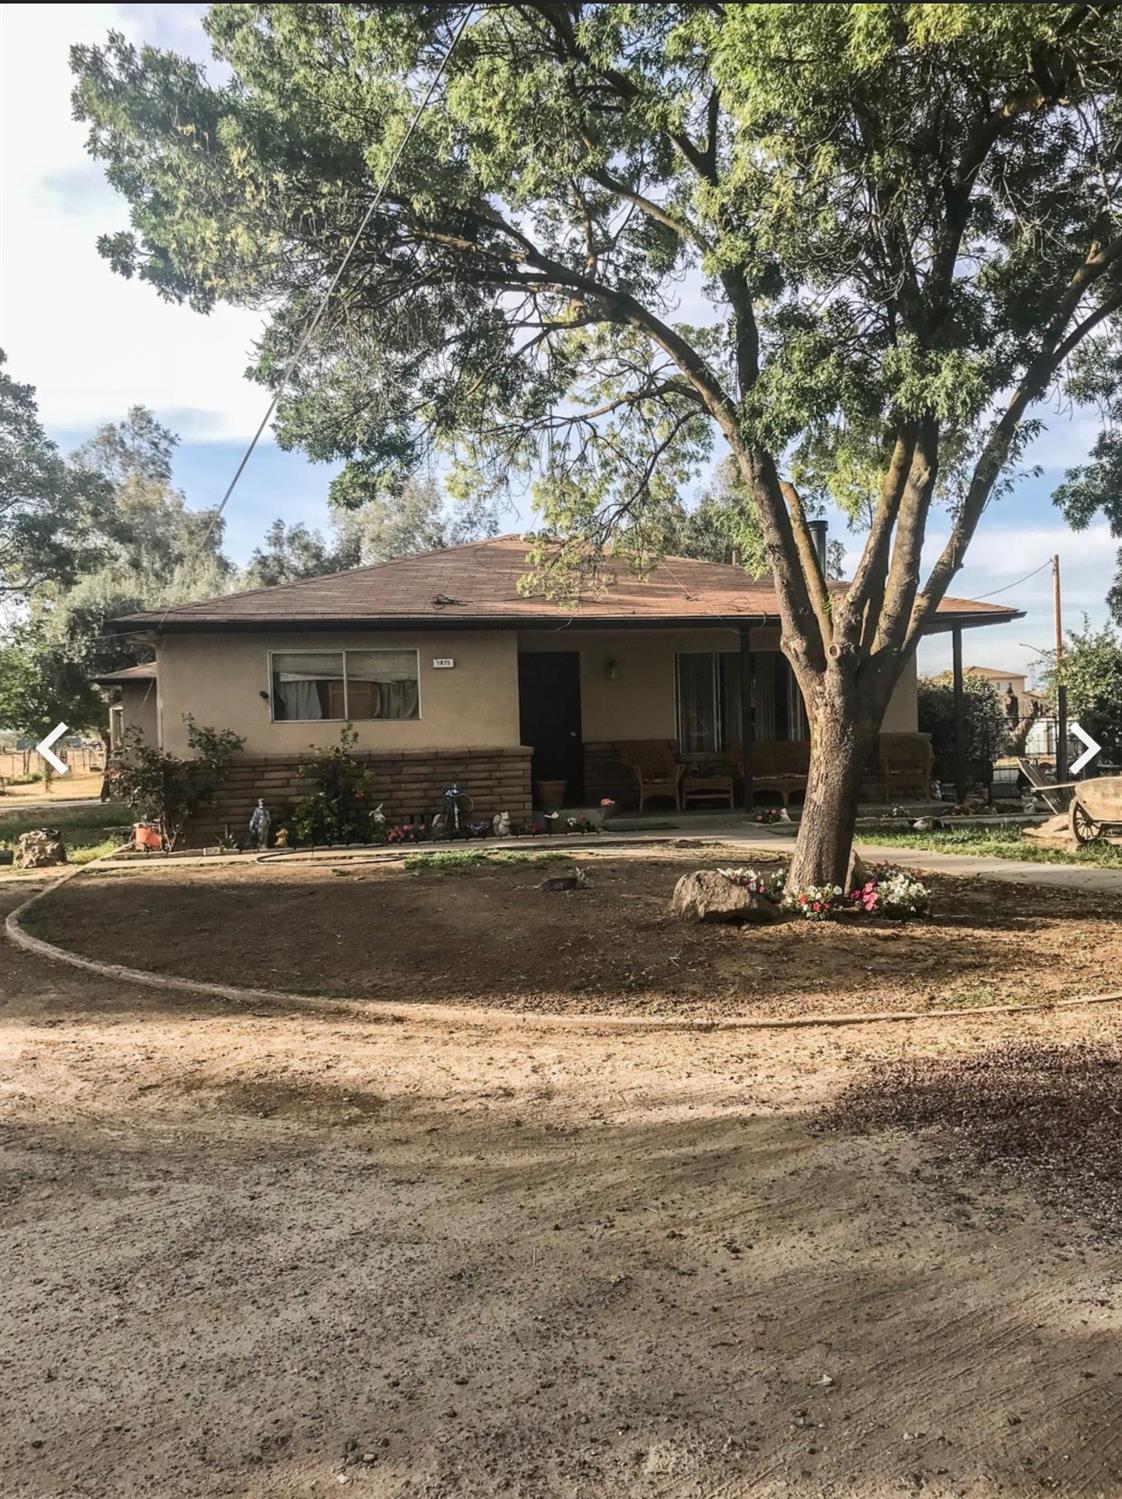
x=698, y=715
x=382, y=684
x=729, y=676
x=308, y=685
x=763, y=694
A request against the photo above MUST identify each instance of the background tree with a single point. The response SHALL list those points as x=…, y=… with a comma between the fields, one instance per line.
x=49, y=509
x=373, y=526
x=904, y=218
x=1092, y=673
x=143, y=549
x=369, y=527
x=1095, y=488
x=288, y=553
x=986, y=723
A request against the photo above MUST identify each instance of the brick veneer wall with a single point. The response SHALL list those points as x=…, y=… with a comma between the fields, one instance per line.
x=408, y=782
x=605, y=774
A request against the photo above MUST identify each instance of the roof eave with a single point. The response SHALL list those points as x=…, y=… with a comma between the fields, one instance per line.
x=942, y=624
x=211, y=624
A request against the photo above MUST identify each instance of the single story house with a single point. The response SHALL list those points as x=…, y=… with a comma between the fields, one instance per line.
x=449, y=673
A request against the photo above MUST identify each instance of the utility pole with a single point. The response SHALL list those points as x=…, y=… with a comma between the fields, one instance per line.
x=959, y=716
x=1061, y=690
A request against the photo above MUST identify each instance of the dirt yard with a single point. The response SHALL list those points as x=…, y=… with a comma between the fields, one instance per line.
x=489, y=937
x=269, y=1256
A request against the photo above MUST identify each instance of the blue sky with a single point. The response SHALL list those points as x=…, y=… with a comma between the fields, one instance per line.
x=94, y=344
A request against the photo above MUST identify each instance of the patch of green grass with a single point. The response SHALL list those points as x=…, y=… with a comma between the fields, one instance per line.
x=460, y=860
x=992, y=843
x=977, y=996
x=85, y=830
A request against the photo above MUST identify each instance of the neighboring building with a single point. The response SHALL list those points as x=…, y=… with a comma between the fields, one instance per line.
x=448, y=672
x=1040, y=742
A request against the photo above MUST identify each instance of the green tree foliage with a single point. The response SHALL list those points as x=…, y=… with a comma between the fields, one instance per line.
x=168, y=790
x=1095, y=488
x=1092, y=673
x=370, y=527
x=987, y=727
x=375, y=527
x=146, y=550
x=290, y=552
x=903, y=218
x=50, y=509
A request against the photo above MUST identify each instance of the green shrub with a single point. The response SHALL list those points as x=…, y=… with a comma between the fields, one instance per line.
x=167, y=790
x=985, y=723
x=340, y=805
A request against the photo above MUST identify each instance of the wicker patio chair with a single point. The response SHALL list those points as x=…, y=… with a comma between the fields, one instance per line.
x=655, y=767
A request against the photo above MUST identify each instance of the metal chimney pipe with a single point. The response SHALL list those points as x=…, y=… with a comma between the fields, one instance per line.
x=817, y=529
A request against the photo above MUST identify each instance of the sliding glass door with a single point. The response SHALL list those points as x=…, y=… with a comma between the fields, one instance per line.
x=708, y=695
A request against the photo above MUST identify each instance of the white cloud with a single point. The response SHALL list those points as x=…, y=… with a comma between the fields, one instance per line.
x=92, y=342
x=998, y=560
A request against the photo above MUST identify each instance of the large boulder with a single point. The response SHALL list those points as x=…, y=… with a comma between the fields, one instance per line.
x=707, y=895
x=39, y=849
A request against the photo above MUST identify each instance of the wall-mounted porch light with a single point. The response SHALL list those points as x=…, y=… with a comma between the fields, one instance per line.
x=611, y=670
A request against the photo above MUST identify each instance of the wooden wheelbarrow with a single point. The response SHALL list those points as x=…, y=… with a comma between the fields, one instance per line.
x=1096, y=808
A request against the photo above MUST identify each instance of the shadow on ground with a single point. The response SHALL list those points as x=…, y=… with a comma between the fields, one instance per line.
x=718, y=1305
x=491, y=937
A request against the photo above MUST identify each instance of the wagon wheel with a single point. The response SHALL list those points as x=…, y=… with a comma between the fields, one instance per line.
x=1084, y=828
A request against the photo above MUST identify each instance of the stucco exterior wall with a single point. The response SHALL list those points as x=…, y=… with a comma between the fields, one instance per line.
x=639, y=703
x=901, y=715
x=140, y=710
x=220, y=679
x=474, y=704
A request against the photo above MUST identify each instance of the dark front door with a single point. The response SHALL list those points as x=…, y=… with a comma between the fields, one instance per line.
x=549, y=717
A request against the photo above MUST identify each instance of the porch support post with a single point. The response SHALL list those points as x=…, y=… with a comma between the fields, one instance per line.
x=959, y=716
x=747, y=727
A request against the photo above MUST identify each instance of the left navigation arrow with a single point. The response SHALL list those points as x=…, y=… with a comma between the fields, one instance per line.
x=44, y=748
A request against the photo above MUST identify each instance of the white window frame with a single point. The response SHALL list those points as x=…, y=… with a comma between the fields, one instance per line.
x=331, y=650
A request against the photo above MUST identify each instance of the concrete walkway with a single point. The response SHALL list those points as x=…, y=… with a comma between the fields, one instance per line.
x=1010, y=871
x=736, y=827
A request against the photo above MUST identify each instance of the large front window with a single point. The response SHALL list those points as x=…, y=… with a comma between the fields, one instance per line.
x=316, y=685
x=709, y=700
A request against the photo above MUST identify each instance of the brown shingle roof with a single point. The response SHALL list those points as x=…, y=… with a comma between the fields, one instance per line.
x=477, y=586
x=146, y=672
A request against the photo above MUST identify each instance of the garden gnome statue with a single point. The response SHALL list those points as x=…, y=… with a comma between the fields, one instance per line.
x=259, y=825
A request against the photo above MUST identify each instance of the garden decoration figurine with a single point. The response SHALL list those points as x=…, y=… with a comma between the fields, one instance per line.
x=378, y=819
x=500, y=825
x=259, y=825
x=457, y=806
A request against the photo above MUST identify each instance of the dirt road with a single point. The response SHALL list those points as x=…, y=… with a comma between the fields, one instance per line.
x=261, y=1256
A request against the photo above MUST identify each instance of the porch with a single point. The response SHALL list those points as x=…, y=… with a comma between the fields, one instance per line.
x=716, y=712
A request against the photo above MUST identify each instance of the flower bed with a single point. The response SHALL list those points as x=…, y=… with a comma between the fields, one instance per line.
x=884, y=891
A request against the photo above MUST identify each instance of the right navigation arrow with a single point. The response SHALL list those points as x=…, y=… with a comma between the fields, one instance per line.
x=1089, y=753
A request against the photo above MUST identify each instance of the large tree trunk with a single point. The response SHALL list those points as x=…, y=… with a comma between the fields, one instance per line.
x=842, y=734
